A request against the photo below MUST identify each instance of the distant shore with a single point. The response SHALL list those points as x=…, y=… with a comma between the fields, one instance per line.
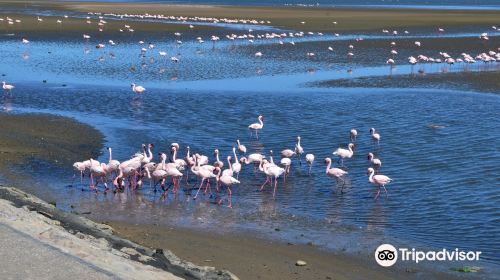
x=295, y=18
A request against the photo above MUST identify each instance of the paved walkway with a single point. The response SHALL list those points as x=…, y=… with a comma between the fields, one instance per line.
x=22, y=257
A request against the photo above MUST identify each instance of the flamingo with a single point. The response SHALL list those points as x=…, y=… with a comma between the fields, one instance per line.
x=79, y=167
x=217, y=162
x=228, y=181
x=160, y=175
x=137, y=89
x=173, y=172
x=309, y=161
x=271, y=171
x=379, y=181
x=6, y=87
x=375, y=135
x=99, y=170
x=286, y=162
x=204, y=174
x=257, y=126
x=179, y=163
x=236, y=165
x=112, y=165
x=334, y=172
x=252, y=159
x=287, y=153
x=241, y=147
x=299, y=150
x=374, y=161
x=228, y=171
x=344, y=153
x=353, y=135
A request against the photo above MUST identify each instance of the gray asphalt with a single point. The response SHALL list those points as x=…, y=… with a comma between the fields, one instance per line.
x=22, y=257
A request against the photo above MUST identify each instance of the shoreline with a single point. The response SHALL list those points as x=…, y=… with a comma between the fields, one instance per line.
x=349, y=19
x=100, y=247
x=181, y=252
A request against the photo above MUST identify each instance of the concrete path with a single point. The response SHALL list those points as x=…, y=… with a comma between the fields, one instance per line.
x=23, y=257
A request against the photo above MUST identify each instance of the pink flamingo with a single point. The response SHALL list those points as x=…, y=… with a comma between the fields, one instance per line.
x=374, y=161
x=204, y=174
x=375, y=135
x=217, y=162
x=299, y=150
x=257, y=126
x=336, y=173
x=79, y=167
x=228, y=181
x=236, y=166
x=344, y=153
x=112, y=165
x=98, y=170
x=309, y=161
x=353, y=135
x=379, y=181
x=241, y=147
x=271, y=171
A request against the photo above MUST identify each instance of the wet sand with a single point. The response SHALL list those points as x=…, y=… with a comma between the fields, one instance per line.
x=252, y=258
x=475, y=81
x=288, y=17
x=50, y=138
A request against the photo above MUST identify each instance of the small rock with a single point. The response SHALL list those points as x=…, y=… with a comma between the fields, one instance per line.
x=53, y=203
x=300, y=263
x=80, y=235
x=276, y=229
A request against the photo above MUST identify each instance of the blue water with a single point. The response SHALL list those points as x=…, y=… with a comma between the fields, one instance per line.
x=441, y=147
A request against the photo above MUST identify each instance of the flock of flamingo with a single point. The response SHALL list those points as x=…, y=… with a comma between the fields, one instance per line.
x=131, y=173
x=252, y=35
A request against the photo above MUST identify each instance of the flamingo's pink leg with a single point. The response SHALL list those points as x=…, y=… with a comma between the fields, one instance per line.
x=376, y=196
x=201, y=184
x=230, y=197
x=267, y=180
x=275, y=186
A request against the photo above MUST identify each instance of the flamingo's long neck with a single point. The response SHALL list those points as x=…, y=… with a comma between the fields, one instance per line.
x=235, y=156
x=110, y=155
x=261, y=165
x=371, y=177
x=175, y=155
x=261, y=122
x=328, y=166
x=150, y=153
x=217, y=156
x=163, y=159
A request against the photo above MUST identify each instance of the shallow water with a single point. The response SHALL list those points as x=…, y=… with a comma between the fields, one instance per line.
x=445, y=191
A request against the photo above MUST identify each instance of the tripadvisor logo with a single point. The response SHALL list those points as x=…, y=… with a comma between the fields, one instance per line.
x=387, y=255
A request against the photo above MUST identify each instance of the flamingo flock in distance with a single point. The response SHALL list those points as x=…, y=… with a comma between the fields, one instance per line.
x=251, y=36
x=171, y=170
